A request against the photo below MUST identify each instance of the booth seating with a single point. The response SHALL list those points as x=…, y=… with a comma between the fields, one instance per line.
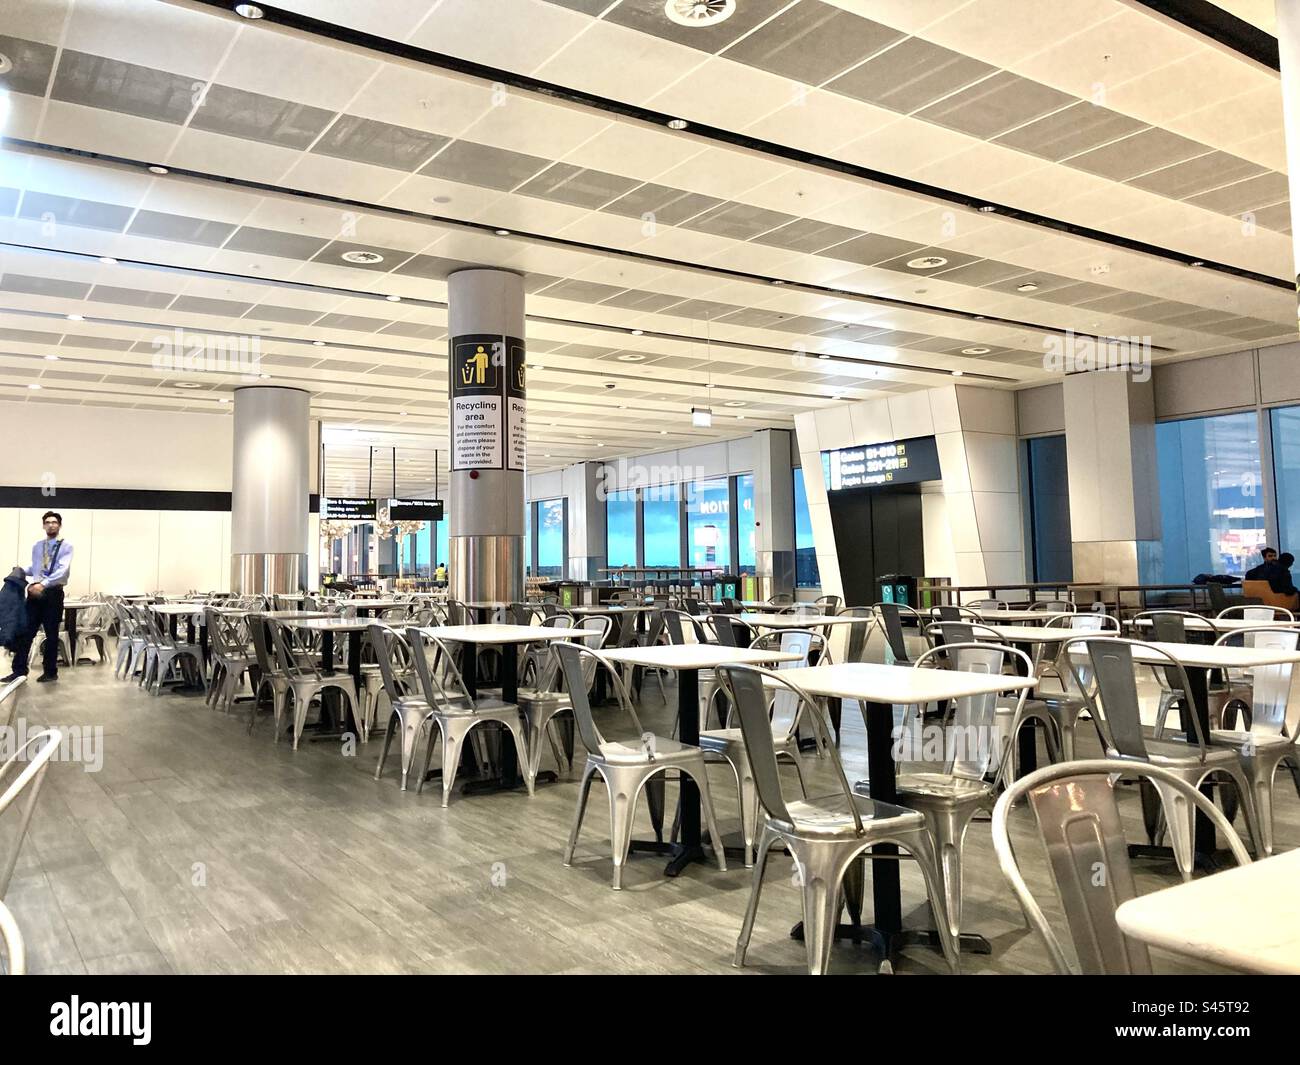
x=1265, y=596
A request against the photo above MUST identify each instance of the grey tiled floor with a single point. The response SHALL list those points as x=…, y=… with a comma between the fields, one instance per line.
x=200, y=849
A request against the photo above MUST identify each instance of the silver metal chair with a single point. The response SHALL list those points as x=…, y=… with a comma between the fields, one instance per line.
x=828, y=603
x=306, y=681
x=269, y=674
x=130, y=641
x=1061, y=711
x=95, y=624
x=10, y=696
x=1261, y=614
x=408, y=711
x=1270, y=735
x=1078, y=818
x=1167, y=626
x=547, y=704
x=21, y=776
x=230, y=656
x=625, y=767
x=826, y=835
x=15, y=952
x=973, y=764
x=889, y=619
x=1116, y=702
x=164, y=654
x=455, y=712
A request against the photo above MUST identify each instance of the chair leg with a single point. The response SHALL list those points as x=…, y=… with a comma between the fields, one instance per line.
x=755, y=891
x=301, y=704
x=947, y=829
x=821, y=871
x=922, y=850
x=451, y=744
x=516, y=730
x=706, y=804
x=388, y=743
x=1180, y=820
x=622, y=813
x=583, y=790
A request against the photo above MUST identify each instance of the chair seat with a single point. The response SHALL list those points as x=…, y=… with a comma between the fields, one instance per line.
x=1235, y=739
x=532, y=697
x=483, y=706
x=941, y=786
x=829, y=815
x=1174, y=754
x=732, y=739
x=665, y=751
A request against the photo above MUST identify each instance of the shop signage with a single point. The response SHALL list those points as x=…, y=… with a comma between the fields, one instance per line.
x=415, y=510
x=347, y=509
x=886, y=463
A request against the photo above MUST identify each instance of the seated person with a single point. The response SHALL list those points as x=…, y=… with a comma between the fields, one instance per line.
x=1280, y=577
x=1264, y=570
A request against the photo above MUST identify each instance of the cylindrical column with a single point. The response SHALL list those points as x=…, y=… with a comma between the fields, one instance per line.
x=1288, y=41
x=488, y=419
x=271, y=485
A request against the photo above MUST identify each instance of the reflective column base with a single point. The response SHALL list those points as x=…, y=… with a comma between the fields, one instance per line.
x=265, y=574
x=486, y=569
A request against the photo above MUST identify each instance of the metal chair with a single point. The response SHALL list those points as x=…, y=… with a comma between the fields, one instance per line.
x=547, y=700
x=828, y=604
x=306, y=682
x=408, y=710
x=15, y=951
x=950, y=793
x=130, y=641
x=625, y=768
x=164, y=654
x=25, y=773
x=1269, y=737
x=1061, y=711
x=826, y=835
x=10, y=695
x=96, y=624
x=988, y=604
x=268, y=674
x=1055, y=606
x=1116, y=701
x=230, y=659
x=1261, y=614
x=889, y=619
x=1078, y=818
x=1167, y=626
x=456, y=713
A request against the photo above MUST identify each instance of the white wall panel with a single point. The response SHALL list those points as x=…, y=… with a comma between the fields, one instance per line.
x=124, y=551
x=997, y=515
x=910, y=415
x=190, y=550
x=991, y=460
x=986, y=410
x=835, y=428
x=940, y=559
x=871, y=423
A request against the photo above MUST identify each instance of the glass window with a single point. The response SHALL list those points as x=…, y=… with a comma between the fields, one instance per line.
x=806, y=574
x=708, y=524
x=528, y=539
x=620, y=528
x=1049, y=509
x=663, y=544
x=745, y=558
x=441, y=550
x=1211, y=512
x=550, y=538
x=1286, y=475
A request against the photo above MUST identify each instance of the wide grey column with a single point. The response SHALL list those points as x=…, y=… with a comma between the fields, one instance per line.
x=1110, y=451
x=1288, y=41
x=486, y=537
x=773, y=513
x=270, y=487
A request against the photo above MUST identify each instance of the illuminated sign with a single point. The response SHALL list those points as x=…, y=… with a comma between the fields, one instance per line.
x=340, y=509
x=888, y=462
x=415, y=510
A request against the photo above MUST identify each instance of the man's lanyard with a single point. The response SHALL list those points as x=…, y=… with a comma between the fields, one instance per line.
x=50, y=560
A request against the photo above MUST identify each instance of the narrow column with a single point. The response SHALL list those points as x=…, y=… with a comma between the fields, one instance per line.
x=488, y=429
x=270, y=490
x=584, y=487
x=1288, y=41
x=773, y=513
x=1114, y=491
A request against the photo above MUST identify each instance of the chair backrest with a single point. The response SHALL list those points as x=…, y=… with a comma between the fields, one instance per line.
x=12, y=937
x=1218, y=597
x=731, y=631
x=811, y=646
x=20, y=784
x=744, y=686
x=1261, y=614
x=393, y=654
x=291, y=665
x=970, y=745
x=890, y=617
x=440, y=680
x=1270, y=686
x=10, y=696
x=1054, y=606
x=855, y=645
x=781, y=599
x=989, y=604
x=1078, y=818
x=676, y=623
x=263, y=645
x=577, y=681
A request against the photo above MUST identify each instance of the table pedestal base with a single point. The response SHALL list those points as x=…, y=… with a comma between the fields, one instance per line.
x=888, y=944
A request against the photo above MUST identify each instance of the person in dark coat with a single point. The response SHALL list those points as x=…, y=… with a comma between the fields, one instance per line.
x=13, y=607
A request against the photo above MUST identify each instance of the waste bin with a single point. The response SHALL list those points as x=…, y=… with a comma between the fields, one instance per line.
x=896, y=588
x=936, y=593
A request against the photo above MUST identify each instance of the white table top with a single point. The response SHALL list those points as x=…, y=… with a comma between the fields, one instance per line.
x=328, y=624
x=1034, y=633
x=369, y=604
x=499, y=634
x=281, y=615
x=607, y=608
x=80, y=604
x=1244, y=918
x=876, y=683
x=1208, y=655
x=697, y=656
x=798, y=621
x=1223, y=625
x=1014, y=616
x=176, y=608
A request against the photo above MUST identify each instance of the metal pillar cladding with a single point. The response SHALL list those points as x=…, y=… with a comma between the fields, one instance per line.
x=270, y=490
x=1288, y=41
x=489, y=434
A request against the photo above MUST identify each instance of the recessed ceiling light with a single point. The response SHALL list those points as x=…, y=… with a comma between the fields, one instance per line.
x=663, y=432
x=734, y=403
x=638, y=332
x=318, y=343
x=535, y=366
x=927, y=262
x=1197, y=262
x=956, y=373
x=697, y=13
x=393, y=298
x=988, y=208
x=188, y=384
x=34, y=387
x=264, y=376
x=223, y=399
x=740, y=417
x=710, y=385
x=823, y=356
x=622, y=406
x=600, y=445
x=51, y=358
x=158, y=170
x=1028, y=286
x=631, y=356
x=364, y=258
x=75, y=318
x=108, y=260
x=975, y=351
x=249, y=11
x=777, y=281
x=442, y=199
x=401, y=414
x=677, y=123
x=502, y=232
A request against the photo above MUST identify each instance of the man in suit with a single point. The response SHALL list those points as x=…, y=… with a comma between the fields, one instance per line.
x=47, y=576
x=1265, y=569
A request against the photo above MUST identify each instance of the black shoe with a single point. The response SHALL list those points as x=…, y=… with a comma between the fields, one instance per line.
x=46, y=678
x=12, y=677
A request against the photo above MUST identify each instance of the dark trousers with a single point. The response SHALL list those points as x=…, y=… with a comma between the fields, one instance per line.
x=44, y=611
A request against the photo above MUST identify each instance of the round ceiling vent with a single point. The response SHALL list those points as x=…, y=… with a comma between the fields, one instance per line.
x=975, y=351
x=927, y=262
x=6, y=64
x=362, y=258
x=734, y=403
x=696, y=13
x=631, y=356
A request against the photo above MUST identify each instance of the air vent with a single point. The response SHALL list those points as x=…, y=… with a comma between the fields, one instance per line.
x=696, y=13
x=362, y=258
x=927, y=262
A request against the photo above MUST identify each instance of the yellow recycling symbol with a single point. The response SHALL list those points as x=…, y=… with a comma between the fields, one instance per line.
x=474, y=371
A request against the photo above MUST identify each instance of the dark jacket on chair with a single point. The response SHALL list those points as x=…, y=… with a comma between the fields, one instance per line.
x=13, y=607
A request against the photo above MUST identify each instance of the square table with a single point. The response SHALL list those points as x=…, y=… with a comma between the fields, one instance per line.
x=508, y=638
x=173, y=612
x=686, y=660
x=1018, y=616
x=1244, y=918
x=1220, y=626
x=71, y=608
x=327, y=625
x=878, y=689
